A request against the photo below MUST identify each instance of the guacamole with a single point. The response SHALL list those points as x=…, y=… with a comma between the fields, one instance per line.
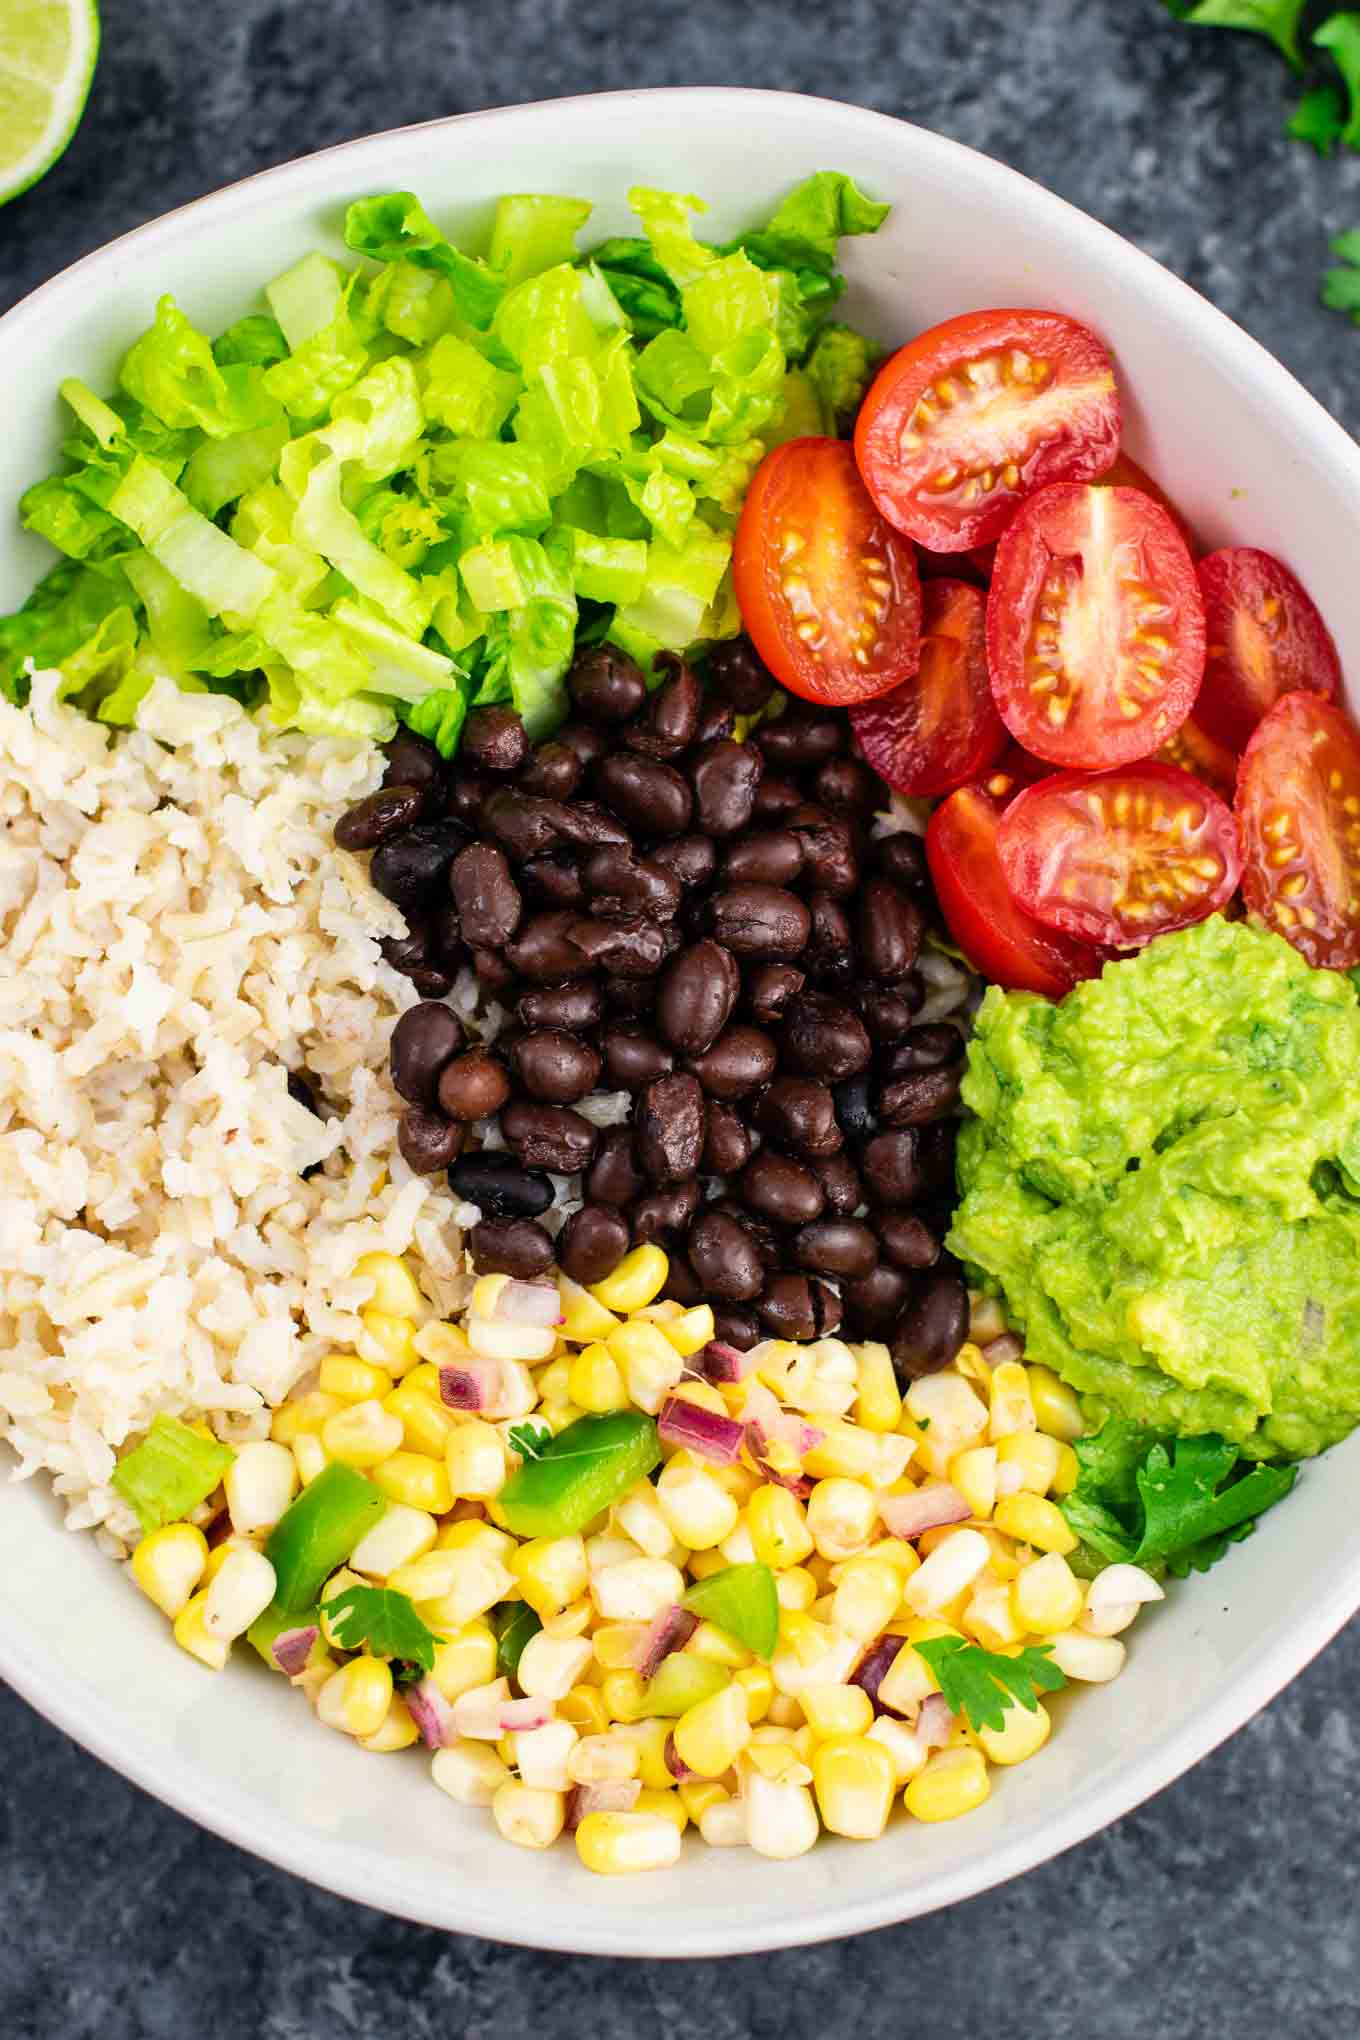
x=1163, y=1181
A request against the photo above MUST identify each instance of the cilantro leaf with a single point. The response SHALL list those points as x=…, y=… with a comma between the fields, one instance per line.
x=529, y=1439
x=1340, y=33
x=514, y=1622
x=384, y=1620
x=1341, y=287
x=1317, y=119
x=982, y=1683
x=1276, y=19
x=1146, y=1498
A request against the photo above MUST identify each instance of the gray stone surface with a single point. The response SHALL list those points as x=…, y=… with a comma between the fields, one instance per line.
x=1229, y=1903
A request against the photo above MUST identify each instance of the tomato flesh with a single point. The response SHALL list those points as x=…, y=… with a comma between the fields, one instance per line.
x=998, y=937
x=1126, y=474
x=1095, y=628
x=827, y=590
x=941, y=729
x=1298, y=810
x=1194, y=750
x=1117, y=857
x=1015, y=769
x=968, y=419
x=1263, y=638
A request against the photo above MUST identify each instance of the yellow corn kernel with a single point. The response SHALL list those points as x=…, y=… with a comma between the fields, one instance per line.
x=554, y=1382
x=362, y=1434
x=897, y=1552
x=390, y=1342
x=1012, y=1406
x=708, y=1641
x=639, y=1518
x=470, y=1533
x=878, y=1400
x=400, y=1535
x=469, y=1772
x=698, y=1794
x=1047, y=1596
x=398, y=1730
x=854, y=1781
x=663, y=1803
x=711, y=1736
x=464, y=1659
x=625, y=1843
x=609, y=1758
x=415, y=1479
x=778, y=1525
x=969, y=1362
x=651, y=1366
x=698, y=1510
x=691, y=1331
x=353, y=1381
x=705, y=1395
x=796, y=1588
x=475, y=1461
x=973, y=1473
x=616, y=1644
x=777, y=1760
x=305, y=1413
x=557, y=1416
x=1056, y=1408
x=583, y=1318
x=649, y=1738
x=356, y=1698
x=552, y=1572
x=954, y=1781
x=909, y=1679
x=990, y=1616
x=785, y=1711
x=701, y=1565
x=338, y=1583
x=624, y=1696
x=595, y=1380
x=834, y=1710
x=426, y=1425
x=424, y=1380
x=1068, y=1473
x=528, y=1814
x=1023, y=1734
x=584, y=1708
x=192, y=1635
x=395, y=1290
x=758, y=1686
x=571, y=1621
x=259, y=1484
x=840, y=1517
x=1036, y=1456
x=1034, y=1521
x=866, y=1597
x=309, y=1456
x=168, y=1564
x=843, y=1449
x=639, y=1277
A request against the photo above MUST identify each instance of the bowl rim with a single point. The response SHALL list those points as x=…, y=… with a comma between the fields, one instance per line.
x=366, y=1876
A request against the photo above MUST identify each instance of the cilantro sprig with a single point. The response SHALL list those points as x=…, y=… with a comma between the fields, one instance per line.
x=1166, y=1504
x=1276, y=19
x=384, y=1620
x=529, y=1439
x=983, y=1684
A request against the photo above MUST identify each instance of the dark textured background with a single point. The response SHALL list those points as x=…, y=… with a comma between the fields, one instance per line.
x=1229, y=1903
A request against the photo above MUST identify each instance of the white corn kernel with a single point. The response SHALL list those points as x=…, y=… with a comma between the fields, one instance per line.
x=638, y=1515
x=470, y=1772
x=356, y=1698
x=951, y=1567
x=606, y=1759
x=636, y=1590
x=1114, y=1597
x=168, y=1564
x=498, y=1339
x=550, y=1666
x=907, y=1751
x=723, y=1824
x=781, y=1819
x=400, y=1535
x=541, y=1755
x=241, y=1590
x=526, y=1815
x=698, y=1508
x=259, y=1484
x=1092, y=1658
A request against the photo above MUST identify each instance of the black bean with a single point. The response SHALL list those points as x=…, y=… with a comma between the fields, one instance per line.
x=827, y=1308
x=633, y=1056
x=586, y=740
x=907, y=1242
x=511, y=1246
x=494, y=739
x=830, y=851
x=412, y=951
x=473, y=1086
x=682, y=1285
x=739, y=676
x=932, y=1328
x=427, y=1141
x=717, y=719
x=554, y=878
x=760, y=920
x=379, y=815
x=587, y=824
x=629, y=947
x=669, y=1128
x=936, y=1146
x=668, y=723
x=693, y=859
x=902, y=858
x=696, y=996
x=467, y=791
x=781, y=1188
x=801, y=737
x=725, y=1258
x=875, y=1302
x=576, y=1005
x=775, y=798
x=524, y=823
x=890, y=930
x=888, y=1015
x=829, y=955
x=549, y=1136
x=592, y=1243
x=769, y=1245
x=620, y=884
x=494, y=973
x=912, y=1100
x=448, y=951
x=740, y=1060
x=840, y=1183
x=725, y=776
x=932, y=1047
x=848, y=783
x=424, y=1039
x=765, y=856
x=891, y=1168
x=855, y=1113
x=799, y=1114
x=629, y=997
x=554, y=770
x=770, y=987
x=606, y=685
x=786, y=1309
x=411, y=869
x=644, y=793
x=727, y=1140
x=836, y=1246
x=736, y=1326
x=823, y=1039
x=614, y=1176
x=485, y=896
x=500, y=1187
x=662, y=1213
x=555, y=1066
x=432, y=981
x=543, y=948
x=414, y=761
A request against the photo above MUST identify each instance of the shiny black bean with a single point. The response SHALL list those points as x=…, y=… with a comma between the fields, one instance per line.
x=717, y=719
x=379, y=815
x=605, y=685
x=554, y=878
x=726, y=776
x=543, y=948
x=592, y=1243
x=525, y=824
x=786, y=1309
x=424, y=1040
x=693, y=859
x=799, y=1114
x=725, y=1258
x=801, y=737
x=494, y=739
x=614, y=1176
x=875, y=1302
x=669, y=1128
x=447, y=947
x=915, y=1099
x=587, y=824
x=781, y=1188
x=727, y=1140
x=829, y=955
x=576, y=1005
x=775, y=798
x=412, y=869
x=830, y=856
x=629, y=947
x=848, y=783
x=682, y=1285
x=768, y=1243
x=760, y=921
x=500, y=1187
x=836, y=1246
x=661, y=1214
x=697, y=993
x=667, y=724
x=434, y=981
x=414, y=761
x=740, y=1060
x=467, y=791
x=485, y=896
x=736, y=1326
x=890, y=926
x=633, y=1056
x=936, y=1147
x=840, y=1183
x=412, y=951
x=627, y=998
x=494, y=974
x=587, y=741
x=427, y=1141
x=511, y=1246
x=827, y=1308
x=855, y=1113
x=891, y=1168
x=473, y=1085
x=739, y=676
x=932, y=1327
x=549, y=1136
x=888, y=1015
x=554, y=770
x=620, y=883
x=555, y=1066
x=770, y=987
x=902, y=858
x=649, y=796
x=935, y=1046
x=823, y=1039
x=764, y=857
x=906, y=1241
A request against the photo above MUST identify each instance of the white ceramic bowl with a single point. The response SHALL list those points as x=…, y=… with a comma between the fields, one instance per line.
x=1251, y=459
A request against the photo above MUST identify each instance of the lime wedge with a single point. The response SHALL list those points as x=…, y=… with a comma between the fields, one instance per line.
x=47, y=55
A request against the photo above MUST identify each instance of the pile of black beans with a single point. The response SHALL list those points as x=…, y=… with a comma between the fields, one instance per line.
x=705, y=923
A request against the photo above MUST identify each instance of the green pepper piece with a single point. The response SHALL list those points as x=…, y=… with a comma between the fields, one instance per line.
x=681, y=1682
x=515, y=1623
x=317, y=1533
x=275, y=1622
x=579, y=1473
x=170, y=1472
x=743, y=1601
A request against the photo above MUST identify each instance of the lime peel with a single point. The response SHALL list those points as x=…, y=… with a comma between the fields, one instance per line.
x=48, y=50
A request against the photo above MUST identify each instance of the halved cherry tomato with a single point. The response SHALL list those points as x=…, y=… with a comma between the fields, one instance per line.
x=941, y=729
x=974, y=415
x=1095, y=628
x=1117, y=857
x=1298, y=809
x=997, y=936
x=1263, y=638
x=1194, y=750
x=827, y=590
x=1014, y=770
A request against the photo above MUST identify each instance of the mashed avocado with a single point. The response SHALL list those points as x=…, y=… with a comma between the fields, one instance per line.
x=1163, y=1181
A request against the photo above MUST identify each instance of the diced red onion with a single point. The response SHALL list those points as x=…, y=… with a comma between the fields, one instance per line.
x=471, y=1384
x=1007, y=1347
x=758, y=1445
x=722, y=1363
x=611, y=1795
x=702, y=1431
x=670, y=1630
x=873, y=1668
x=934, y=1722
x=674, y=1762
x=912, y=1515
x=528, y=1303
x=431, y=1713
x=293, y=1647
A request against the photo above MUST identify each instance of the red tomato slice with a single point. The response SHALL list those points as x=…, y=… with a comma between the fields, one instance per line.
x=1263, y=638
x=1298, y=808
x=996, y=935
x=1095, y=629
x=1194, y=750
x=1117, y=857
x=941, y=729
x=826, y=589
x=974, y=415
x=1014, y=770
